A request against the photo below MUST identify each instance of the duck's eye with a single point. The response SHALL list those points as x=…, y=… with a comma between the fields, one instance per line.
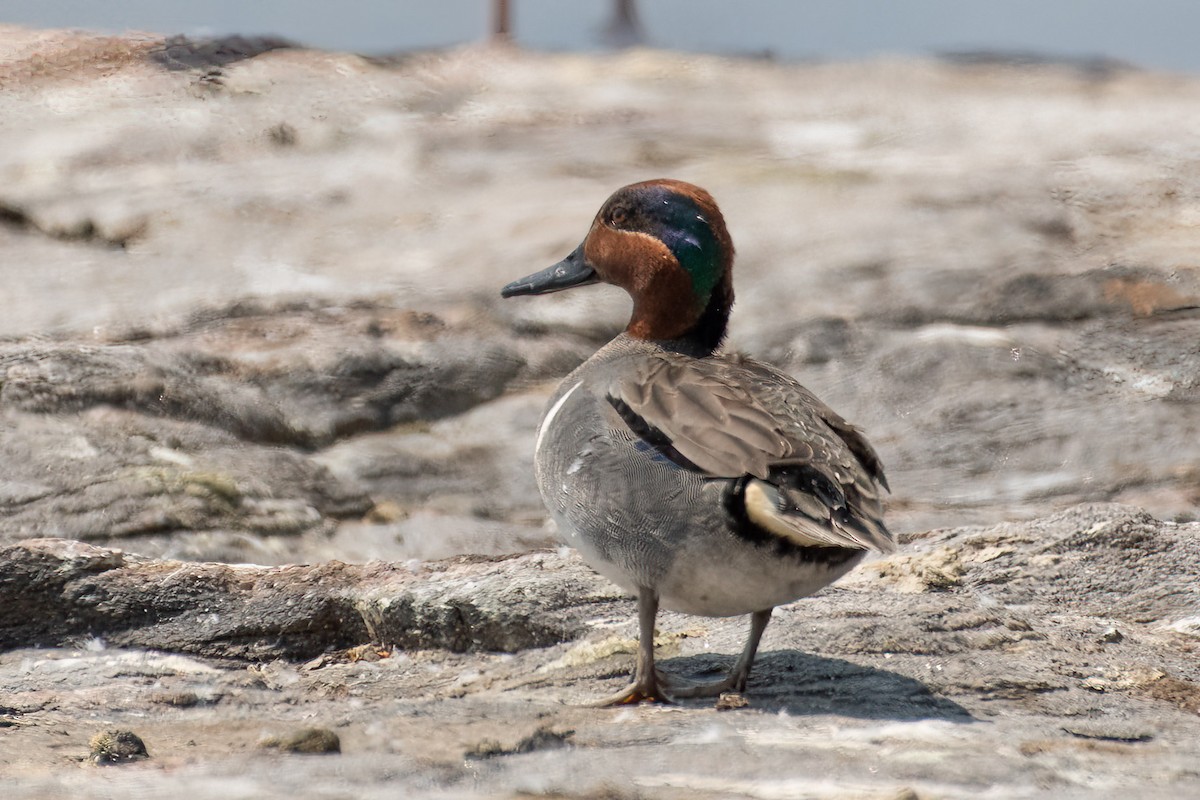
x=618, y=216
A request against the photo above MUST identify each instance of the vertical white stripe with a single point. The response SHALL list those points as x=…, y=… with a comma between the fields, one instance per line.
x=554, y=409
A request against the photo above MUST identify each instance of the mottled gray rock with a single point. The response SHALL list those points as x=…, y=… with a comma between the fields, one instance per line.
x=974, y=658
x=106, y=474
x=1121, y=564
x=302, y=375
x=55, y=590
x=207, y=430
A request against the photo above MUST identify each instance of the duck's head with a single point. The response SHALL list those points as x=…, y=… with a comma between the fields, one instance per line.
x=665, y=243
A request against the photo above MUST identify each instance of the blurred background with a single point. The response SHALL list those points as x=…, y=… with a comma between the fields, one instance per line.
x=1154, y=33
x=250, y=253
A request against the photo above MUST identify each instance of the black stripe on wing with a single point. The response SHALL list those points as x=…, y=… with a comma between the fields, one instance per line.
x=650, y=436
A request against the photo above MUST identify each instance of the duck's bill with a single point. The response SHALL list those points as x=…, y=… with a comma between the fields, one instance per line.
x=571, y=271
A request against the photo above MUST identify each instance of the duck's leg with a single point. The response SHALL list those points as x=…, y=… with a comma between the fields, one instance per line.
x=736, y=680
x=647, y=685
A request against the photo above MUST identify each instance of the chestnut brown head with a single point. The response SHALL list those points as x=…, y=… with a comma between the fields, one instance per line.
x=665, y=243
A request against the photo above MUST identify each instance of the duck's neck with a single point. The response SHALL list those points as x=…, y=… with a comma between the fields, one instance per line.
x=709, y=331
x=698, y=334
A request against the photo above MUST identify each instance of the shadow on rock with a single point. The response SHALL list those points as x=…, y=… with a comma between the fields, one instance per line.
x=801, y=683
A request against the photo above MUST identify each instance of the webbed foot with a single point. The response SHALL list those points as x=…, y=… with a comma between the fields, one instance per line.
x=736, y=680
x=655, y=690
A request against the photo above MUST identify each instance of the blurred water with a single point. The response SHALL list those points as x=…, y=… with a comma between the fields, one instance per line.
x=1151, y=33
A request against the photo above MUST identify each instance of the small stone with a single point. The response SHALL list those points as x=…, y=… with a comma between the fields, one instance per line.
x=305, y=740
x=728, y=701
x=116, y=747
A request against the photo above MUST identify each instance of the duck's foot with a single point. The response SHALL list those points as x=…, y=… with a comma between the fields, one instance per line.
x=649, y=685
x=736, y=680
x=732, y=683
x=639, y=691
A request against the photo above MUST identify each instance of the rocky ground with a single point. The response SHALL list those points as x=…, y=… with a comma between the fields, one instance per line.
x=251, y=318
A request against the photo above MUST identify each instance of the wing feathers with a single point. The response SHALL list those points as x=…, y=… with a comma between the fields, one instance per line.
x=815, y=475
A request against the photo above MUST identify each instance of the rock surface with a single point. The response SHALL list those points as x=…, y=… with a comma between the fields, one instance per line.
x=54, y=591
x=1056, y=657
x=250, y=321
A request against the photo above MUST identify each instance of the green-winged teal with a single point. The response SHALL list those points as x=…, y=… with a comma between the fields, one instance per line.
x=698, y=480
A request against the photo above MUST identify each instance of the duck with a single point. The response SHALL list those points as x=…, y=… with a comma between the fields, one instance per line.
x=698, y=480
